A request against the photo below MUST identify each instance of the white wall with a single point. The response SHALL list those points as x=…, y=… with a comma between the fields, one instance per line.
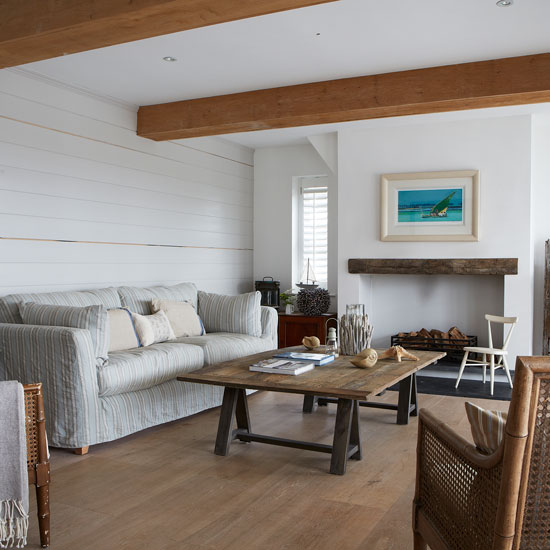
x=73, y=169
x=540, y=218
x=501, y=149
x=275, y=169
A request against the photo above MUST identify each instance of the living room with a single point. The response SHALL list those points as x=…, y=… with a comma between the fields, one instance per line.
x=101, y=188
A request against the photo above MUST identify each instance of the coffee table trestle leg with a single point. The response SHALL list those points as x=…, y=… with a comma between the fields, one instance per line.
x=241, y=412
x=309, y=403
x=341, y=448
x=414, y=397
x=355, y=434
x=408, y=398
x=225, y=426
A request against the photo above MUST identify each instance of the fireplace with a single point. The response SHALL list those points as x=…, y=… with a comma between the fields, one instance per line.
x=406, y=294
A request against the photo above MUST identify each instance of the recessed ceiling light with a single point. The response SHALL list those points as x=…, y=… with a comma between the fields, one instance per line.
x=504, y=3
x=169, y=58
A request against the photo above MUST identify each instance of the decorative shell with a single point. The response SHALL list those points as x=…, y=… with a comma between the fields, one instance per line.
x=311, y=342
x=365, y=359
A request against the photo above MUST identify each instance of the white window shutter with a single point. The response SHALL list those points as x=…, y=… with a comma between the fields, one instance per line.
x=315, y=230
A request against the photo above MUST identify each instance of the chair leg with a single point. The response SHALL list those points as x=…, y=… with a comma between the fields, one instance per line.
x=462, y=365
x=484, y=358
x=419, y=543
x=43, y=505
x=507, y=369
x=492, y=366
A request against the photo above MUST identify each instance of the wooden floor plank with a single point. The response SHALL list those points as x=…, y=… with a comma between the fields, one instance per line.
x=164, y=489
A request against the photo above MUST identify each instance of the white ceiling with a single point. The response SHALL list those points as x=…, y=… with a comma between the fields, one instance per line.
x=357, y=37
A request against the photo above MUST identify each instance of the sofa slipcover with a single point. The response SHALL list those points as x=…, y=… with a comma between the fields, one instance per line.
x=142, y=368
x=86, y=404
x=224, y=346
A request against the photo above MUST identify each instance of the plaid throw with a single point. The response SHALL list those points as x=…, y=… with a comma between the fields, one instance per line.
x=14, y=483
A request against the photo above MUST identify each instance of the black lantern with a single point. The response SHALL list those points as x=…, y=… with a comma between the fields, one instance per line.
x=270, y=291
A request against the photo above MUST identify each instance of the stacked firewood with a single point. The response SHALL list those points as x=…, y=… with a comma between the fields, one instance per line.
x=435, y=338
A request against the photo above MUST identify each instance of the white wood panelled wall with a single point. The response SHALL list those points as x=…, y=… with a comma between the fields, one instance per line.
x=139, y=212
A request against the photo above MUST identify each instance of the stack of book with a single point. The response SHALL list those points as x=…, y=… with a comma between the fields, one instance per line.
x=317, y=359
x=290, y=362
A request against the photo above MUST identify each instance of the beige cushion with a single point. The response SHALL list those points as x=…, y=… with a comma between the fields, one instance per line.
x=153, y=329
x=122, y=333
x=182, y=317
x=487, y=427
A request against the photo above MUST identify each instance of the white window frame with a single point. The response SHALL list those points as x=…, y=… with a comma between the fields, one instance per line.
x=309, y=183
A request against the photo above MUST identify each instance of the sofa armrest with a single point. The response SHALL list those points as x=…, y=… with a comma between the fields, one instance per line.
x=270, y=322
x=63, y=359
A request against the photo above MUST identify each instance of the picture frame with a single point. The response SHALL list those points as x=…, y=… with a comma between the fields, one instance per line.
x=430, y=206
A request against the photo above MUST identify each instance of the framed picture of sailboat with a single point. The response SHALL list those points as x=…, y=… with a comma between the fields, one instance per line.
x=430, y=206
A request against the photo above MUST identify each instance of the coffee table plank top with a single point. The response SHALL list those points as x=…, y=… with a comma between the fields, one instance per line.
x=338, y=379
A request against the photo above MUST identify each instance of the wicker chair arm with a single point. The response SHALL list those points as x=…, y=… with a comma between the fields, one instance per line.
x=455, y=483
x=459, y=444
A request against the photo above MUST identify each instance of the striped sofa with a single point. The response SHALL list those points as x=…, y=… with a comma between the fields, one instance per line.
x=86, y=404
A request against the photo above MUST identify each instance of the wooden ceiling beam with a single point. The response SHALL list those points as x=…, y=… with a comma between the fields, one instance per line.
x=495, y=83
x=33, y=30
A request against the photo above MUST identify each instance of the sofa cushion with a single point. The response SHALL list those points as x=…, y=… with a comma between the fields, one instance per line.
x=122, y=332
x=142, y=368
x=182, y=316
x=92, y=318
x=9, y=311
x=224, y=346
x=487, y=427
x=237, y=314
x=153, y=329
x=138, y=299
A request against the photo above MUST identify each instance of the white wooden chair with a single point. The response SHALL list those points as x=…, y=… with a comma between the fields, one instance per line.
x=491, y=351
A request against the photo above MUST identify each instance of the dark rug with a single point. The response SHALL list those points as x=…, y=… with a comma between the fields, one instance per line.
x=467, y=388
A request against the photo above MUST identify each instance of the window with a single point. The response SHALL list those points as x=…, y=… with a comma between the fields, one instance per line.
x=313, y=235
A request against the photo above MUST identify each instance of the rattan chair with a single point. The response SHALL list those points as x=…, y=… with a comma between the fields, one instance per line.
x=38, y=463
x=465, y=500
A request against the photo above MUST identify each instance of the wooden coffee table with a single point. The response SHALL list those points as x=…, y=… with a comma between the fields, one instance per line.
x=338, y=381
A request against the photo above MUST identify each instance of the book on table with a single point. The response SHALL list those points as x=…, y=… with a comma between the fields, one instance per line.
x=317, y=359
x=281, y=366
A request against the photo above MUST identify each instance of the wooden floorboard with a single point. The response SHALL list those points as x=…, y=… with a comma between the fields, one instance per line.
x=164, y=489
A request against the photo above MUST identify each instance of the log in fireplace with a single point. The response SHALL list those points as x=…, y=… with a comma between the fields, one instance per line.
x=452, y=341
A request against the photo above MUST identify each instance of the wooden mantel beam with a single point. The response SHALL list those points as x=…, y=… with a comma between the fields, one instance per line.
x=495, y=83
x=32, y=30
x=440, y=266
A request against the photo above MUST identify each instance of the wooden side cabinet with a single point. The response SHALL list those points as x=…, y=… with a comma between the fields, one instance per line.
x=293, y=327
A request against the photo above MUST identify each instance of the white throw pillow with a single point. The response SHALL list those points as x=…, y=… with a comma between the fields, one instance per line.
x=182, y=316
x=122, y=332
x=152, y=329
